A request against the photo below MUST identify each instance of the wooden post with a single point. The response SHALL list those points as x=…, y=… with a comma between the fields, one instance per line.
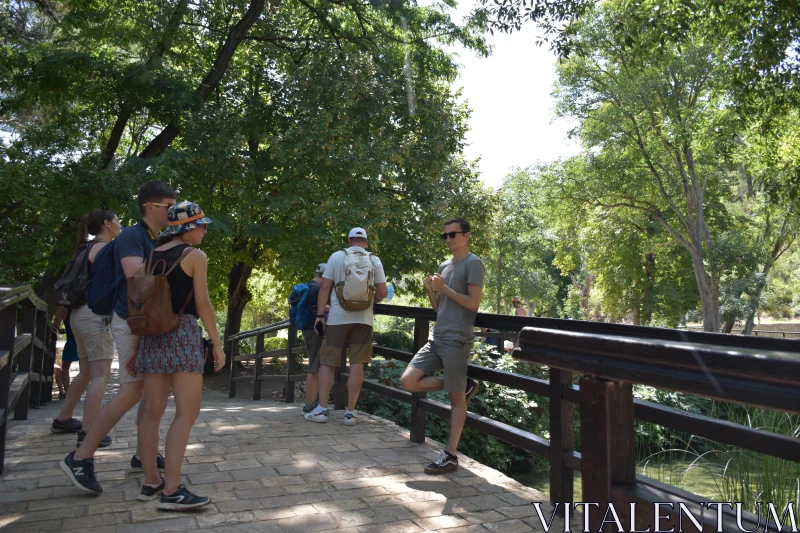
x=339, y=384
x=608, y=455
x=258, y=367
x=29, y=322
x=291, y=365
x=48, y=360
x=561, y=438
x=234, y=351
x=25, y=362
x=418, y=416
x=8, y=320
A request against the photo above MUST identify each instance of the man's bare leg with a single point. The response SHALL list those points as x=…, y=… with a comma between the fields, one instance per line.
x=109, y=416
x=458, y=415
x=325, y=384
x=354, y=382
x=415, y=380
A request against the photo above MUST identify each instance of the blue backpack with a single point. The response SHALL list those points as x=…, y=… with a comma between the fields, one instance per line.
x=299, y=315
x=101, y=289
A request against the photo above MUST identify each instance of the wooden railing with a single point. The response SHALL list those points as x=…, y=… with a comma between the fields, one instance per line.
x=709, y=365
x=760, y=371
x=756, y=332
x=27, y=356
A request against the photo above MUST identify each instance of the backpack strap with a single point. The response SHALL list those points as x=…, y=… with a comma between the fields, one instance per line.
x=186, y=251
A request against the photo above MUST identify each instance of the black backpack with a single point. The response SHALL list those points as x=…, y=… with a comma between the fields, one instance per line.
x=70, y=290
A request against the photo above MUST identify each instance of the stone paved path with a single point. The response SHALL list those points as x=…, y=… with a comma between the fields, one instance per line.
x=267, y=470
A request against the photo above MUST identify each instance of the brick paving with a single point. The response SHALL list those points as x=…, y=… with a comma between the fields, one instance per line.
x=266, y=470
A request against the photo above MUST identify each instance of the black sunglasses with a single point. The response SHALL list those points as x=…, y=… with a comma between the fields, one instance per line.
x=452, y=235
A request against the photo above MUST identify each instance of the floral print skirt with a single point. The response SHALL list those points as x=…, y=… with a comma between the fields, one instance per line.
x=180, y=350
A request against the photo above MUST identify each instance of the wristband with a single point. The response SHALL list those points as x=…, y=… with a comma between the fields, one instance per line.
x=320, y=316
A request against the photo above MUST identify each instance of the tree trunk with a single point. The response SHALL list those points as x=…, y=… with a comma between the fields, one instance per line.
x=238, y=296
x=212, y=79
x=709, y=294
x=498, y=305
x=126, y=109
x=780, y=246
x=646, y=313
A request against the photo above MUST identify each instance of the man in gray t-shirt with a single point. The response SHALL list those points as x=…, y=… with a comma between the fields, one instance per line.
x=455, y=294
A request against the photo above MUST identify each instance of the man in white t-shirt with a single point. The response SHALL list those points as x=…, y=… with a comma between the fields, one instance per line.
x=341, y=326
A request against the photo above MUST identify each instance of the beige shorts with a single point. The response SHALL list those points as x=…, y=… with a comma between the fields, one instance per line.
x=122, y=338
x=92, y=334
x=359, y=350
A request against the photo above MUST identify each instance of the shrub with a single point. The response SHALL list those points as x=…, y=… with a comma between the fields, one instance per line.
x=398, y=340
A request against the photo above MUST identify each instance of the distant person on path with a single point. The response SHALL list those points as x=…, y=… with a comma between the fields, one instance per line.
x=69, y=354
x=175, y=361
x=519, y=309
x=92, y=335
x=313, y=341
x=356, y=277
x=455, y=294
x=131, y=248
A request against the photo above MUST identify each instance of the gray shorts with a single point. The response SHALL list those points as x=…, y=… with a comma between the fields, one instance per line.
x=450, y=356
x=313, y=345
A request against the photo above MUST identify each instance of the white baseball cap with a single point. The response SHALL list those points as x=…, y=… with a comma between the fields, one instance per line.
x=357, y=233
x=321, y=268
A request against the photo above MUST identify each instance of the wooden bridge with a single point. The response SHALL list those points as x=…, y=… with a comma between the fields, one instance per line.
x=269, y=470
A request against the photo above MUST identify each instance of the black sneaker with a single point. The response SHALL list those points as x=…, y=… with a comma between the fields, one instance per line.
x=472, y=388
x=181, y=500
x=81, y=473
x=443, y=463
x=103, y=443
x=136, y=463
x=149, y=493
x=62, y=395
x=72, y=425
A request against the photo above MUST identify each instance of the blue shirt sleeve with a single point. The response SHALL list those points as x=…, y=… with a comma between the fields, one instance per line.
x=131, y=243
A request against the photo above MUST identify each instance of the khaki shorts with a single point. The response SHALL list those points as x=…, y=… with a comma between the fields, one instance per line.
x=92, y=334
x=313, y=345
x=450, y=356
x=359, y=351
x=122, y=338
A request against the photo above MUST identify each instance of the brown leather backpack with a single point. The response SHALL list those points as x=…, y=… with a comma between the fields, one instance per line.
x=150, y=311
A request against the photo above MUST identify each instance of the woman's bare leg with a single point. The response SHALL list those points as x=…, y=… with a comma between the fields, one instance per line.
x=154, y=401
x=99, y=372
x=75, y=391
x=188, y=391
x=65, y=374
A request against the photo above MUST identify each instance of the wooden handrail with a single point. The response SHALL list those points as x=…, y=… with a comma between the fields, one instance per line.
x=26, y=377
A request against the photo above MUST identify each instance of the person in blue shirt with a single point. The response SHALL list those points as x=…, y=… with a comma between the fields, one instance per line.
x=131, y=248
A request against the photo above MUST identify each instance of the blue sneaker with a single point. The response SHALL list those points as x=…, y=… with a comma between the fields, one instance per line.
x=181, y=500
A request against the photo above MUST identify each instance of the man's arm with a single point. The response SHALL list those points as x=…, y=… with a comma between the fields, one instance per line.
x=131, y=265
x=322, y=300
x=432, y=296
x=471, y=301
x=381, y=291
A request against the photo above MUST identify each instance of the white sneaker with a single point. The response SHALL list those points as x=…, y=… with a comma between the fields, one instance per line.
x=317, y=415
x=350, y=419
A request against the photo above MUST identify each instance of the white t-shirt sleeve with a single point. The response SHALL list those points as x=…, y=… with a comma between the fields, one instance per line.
x=380, y=276
x=334, y=266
